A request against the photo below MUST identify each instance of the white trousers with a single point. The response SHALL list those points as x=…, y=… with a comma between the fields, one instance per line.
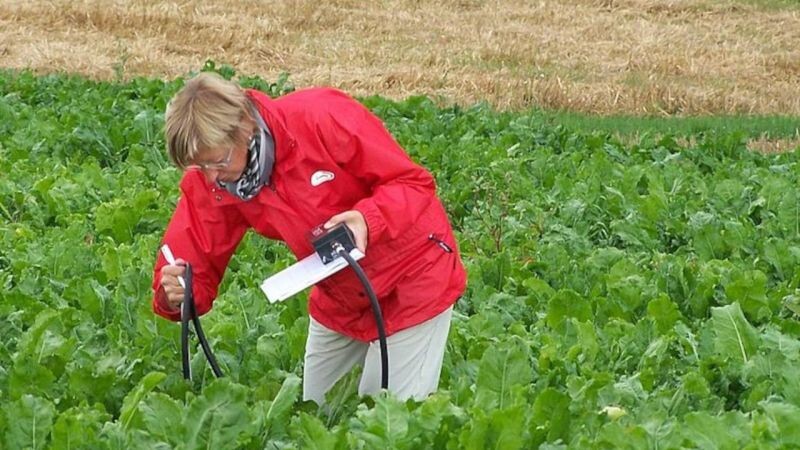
x=415, y=359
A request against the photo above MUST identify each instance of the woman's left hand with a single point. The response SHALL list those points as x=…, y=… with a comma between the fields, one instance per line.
x=355, y=221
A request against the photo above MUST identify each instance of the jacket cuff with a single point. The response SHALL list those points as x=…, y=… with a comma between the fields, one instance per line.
x=376, y=225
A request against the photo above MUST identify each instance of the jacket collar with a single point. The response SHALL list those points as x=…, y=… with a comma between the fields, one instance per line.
x=285, y=141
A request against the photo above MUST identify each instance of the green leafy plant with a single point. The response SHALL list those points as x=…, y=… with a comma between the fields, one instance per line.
x=638, y=294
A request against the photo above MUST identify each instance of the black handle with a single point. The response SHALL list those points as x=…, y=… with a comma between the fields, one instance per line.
x=188, y=312
x=376, y=312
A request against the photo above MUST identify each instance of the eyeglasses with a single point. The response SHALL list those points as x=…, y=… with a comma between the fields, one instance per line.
x=226, y=161
x=215, y=165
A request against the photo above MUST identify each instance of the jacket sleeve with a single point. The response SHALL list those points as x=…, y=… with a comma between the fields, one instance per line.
x=401, y=190
x=205, y=236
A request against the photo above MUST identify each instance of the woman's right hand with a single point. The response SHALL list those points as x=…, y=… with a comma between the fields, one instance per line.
x=169, y=282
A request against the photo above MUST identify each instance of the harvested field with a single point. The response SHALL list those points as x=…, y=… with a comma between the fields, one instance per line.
x=667, y=57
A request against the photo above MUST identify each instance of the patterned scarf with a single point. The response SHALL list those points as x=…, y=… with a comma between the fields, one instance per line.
x=260, y=159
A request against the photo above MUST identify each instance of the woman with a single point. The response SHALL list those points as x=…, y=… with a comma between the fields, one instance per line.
x=282, y=167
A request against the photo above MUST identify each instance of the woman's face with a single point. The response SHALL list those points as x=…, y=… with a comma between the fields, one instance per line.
x=223, y=164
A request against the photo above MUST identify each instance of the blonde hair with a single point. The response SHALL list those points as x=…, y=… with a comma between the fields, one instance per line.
x=208, y=112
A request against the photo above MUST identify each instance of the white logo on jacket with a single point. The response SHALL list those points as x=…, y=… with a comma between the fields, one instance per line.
x=321, y=176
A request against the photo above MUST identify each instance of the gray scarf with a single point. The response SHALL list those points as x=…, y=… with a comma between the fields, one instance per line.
x=260, y=159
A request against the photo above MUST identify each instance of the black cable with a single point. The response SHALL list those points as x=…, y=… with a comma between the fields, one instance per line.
x=376, y=311
x=185, y=314
x=188, y=311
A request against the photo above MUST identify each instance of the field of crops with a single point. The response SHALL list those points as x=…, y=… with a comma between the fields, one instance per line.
x=622, y=294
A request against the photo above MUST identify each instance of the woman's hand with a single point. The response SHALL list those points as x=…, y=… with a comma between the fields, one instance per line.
x=169, y=282
x=355, y=221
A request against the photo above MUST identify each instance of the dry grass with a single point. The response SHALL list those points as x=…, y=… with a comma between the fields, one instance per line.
x=601, y=56
x=773, y=146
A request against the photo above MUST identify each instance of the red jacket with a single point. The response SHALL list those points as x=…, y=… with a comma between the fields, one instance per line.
x=413, y=274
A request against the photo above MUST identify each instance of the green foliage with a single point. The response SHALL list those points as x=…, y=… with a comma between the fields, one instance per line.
x=734, y=338
x=621, y=295
x=753, y=126
x=29, y=422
